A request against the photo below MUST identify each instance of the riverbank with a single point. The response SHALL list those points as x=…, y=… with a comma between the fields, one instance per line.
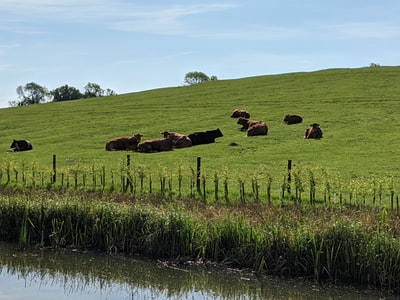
x=336, y=244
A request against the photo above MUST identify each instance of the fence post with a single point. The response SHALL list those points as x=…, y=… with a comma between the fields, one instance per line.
x=128, y=163
x=289, y=179
x=198, y=175
x=128, y=160
x=54, y=169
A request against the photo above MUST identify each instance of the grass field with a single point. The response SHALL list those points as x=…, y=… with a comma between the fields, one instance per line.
x=357, y=110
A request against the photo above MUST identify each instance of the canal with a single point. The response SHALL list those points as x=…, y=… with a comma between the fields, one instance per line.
x=68, y=274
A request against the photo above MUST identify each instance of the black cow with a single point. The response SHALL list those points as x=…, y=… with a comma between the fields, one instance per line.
x=20, y=145
x=292, y=119
x=313, y=132
x=205, y=137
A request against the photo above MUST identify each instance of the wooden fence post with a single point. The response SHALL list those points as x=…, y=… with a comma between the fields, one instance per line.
x=198, y=175
x=54, y=169
x=128, y=164
x=289, y=179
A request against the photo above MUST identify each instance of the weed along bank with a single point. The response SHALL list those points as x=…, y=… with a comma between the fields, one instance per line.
x=325, y=242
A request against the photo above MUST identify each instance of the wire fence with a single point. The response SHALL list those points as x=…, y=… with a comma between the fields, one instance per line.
x=300, y=186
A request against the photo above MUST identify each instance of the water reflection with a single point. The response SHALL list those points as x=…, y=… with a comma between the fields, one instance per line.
x=36, y=274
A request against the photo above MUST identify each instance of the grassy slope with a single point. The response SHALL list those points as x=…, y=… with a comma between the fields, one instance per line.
x=357, y=109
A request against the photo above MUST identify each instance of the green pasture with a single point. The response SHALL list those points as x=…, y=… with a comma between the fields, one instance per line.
x=356, y=108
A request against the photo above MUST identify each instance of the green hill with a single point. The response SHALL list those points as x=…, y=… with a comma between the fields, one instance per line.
x=357, y=109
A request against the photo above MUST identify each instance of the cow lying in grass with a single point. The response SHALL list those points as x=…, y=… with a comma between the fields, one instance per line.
x=246, y=123
x=259, y=128
x=157, y=145
x=179, y=140
x=20, y=145
x=205, y=137
x=292, y=119
x=124, y=143
x=313, y=132
x=237, y=113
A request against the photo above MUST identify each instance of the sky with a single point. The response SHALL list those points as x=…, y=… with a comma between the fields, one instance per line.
x=130, y=46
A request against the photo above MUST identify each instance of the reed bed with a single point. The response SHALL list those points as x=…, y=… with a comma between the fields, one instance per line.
x=340, y=244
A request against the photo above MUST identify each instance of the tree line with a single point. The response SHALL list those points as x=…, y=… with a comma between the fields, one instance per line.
x=33, y=93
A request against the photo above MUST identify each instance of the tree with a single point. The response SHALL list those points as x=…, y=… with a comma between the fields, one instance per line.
x=192, y=78
x=31, y=93
x=93, y=90
x=66, y=92
x=213, y=78
x=372, y=65
x=109, y=92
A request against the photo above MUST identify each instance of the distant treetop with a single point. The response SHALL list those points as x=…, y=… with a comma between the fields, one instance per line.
x=196, y=77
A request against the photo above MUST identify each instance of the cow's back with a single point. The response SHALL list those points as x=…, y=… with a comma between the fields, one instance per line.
x=260, y=128
x=237, y=113
x=156, y=145
x=182, y=142
x=293, y=119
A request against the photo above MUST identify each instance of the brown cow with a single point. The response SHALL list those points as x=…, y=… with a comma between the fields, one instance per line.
x=246, y=123
x=124, y=143
x=179, y=140
x=292, y=119
x=313, y=132
x=260, y=128
x=156, y=145
x=237, y=113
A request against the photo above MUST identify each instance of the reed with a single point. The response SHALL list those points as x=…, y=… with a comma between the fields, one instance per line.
x=327, y=243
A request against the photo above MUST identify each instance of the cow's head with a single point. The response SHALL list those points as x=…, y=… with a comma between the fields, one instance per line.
x=242, y=121
x=164, y=133
x=137, y=136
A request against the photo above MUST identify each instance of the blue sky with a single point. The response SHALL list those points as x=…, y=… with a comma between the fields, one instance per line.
x=131, y=46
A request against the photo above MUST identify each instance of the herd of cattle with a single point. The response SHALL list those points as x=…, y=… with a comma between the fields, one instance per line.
x=253, y=127
x=171, y=140
x=168, y=142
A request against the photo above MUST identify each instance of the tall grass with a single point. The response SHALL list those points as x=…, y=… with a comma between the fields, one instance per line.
x=336, y=244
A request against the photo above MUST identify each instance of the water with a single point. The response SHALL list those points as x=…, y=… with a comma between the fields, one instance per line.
x=36, y=274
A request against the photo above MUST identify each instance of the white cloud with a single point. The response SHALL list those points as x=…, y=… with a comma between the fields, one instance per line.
x=118, y=15
x=169, y=20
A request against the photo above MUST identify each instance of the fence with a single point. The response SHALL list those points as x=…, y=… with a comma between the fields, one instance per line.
x=295, y=185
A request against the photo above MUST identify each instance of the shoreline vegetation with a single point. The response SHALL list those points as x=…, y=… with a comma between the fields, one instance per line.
x=339, y=244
